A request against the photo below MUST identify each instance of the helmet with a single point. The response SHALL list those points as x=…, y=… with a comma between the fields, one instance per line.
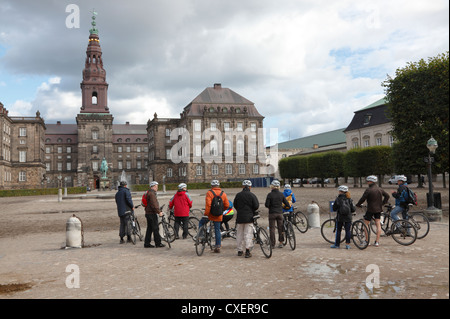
x=343, y=188
x=287, y=186
x=123, y=183
x=372, y=178
x=215, y=182
x=401, y=178
x=275, y=183
x=153, y=183
x=247, y=183
x=182, y=185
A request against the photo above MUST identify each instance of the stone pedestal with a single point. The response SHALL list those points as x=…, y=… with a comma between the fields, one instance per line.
x=433, y=214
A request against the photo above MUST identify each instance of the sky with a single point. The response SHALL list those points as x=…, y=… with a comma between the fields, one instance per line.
x=308, y=65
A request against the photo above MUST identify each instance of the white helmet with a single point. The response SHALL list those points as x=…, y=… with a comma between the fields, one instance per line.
x=276, y=183
x=215, y=182
x=372, y=178
x=247, y=183
x=401, y=178
x=287, y=186
x=182, y=185
x=153, y=183
x=343, y=188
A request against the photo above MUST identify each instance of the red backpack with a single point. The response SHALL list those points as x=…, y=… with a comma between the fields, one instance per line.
x=144, y=199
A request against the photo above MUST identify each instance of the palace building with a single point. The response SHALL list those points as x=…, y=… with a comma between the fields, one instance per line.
x=36, y=154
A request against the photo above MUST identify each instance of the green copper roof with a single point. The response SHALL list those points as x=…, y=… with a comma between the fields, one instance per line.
x=322, y=139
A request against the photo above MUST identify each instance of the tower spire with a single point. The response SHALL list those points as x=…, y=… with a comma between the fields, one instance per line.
x=94, y=87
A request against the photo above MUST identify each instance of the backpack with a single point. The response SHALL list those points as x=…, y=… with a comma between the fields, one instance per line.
x=412, y=197
x=217, y=204
x=144, y=199
x=346, y=207
x=289, y=199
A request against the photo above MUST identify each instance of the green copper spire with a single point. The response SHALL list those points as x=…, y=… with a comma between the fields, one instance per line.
x=94, y=30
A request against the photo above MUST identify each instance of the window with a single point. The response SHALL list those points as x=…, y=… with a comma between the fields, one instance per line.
x=22, y=176
x=255, y=169
x=69, y=149
x=168, y=153
x=378, y=141
x=227, y=148
x=95, y=166
x=197, y=126
x=95, y=149
x=59, y=149
x=214, y=148
x=94, y=135
x=23, y=131
x=242, y=169
x=199, y=170
x=48, y=150
x=48, y=167
x=128, y=149
x=119, y=164
x=367, y=118
x=226, y=126
x=228, y=169
x=168, y=131
x=138, y=149
x=22, y=156
x=94, y=97
x=182, y=171
x=198, y=150
x=253, y=127
x=138, y=164
x=169, y=172
x=240, y=126
x=128, y=164
x=59, y=166
x=69, y=166
x=215, y=169
x=391, y=140
x=213, y=126
x=119, y=149
x=240, y=148
x=355, y=143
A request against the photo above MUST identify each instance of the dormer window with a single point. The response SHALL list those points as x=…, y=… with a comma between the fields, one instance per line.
x=367, y=118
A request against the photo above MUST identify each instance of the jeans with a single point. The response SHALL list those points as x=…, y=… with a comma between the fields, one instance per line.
x=348, y=234
x=152, y=228
x=397, y=210
x=276, y=218
x=216, y=230
x=123, y=226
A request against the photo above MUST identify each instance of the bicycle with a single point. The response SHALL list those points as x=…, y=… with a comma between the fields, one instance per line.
x=419, y=221
x=261, y=237
x=205, y=235
x=288, y=230
x=133, y=227
x=168, y=232
x=359, y=232
x=402, y=230
x=192, y=224
x=299, y=220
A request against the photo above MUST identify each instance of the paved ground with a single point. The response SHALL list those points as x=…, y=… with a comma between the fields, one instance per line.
x=33, y=265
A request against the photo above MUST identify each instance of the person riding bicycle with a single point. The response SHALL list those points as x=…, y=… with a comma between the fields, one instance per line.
x=228, y=215
x=246, y=204
x=274, y=202
x=181, y=203
x=401, y=196
x=376, y=198
x=124, y=204
x=217, y=220
x=290, y=197
x=344, y=207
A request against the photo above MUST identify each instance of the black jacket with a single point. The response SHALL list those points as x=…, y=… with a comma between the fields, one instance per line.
x=123, y=201
x=344, y=215
x=246, y=204
x=274, y=201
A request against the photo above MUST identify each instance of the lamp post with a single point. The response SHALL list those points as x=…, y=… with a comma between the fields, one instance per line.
x=432, y=212
x=59, y=188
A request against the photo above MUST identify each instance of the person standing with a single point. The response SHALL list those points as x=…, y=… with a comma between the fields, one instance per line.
x=344, y=207
x=181, y=203
x=151, y=214
x=124, y=204
x=290, y=197
x=246, y=204
x=376, y=198
x=274, y=202
x=215, y=191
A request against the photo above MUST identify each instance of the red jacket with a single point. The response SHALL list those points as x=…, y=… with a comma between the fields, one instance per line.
x=182, y=203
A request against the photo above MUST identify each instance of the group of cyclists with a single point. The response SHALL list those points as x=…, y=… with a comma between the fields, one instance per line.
x=245, y=206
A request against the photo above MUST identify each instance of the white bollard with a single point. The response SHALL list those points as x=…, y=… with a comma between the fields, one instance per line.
x=313, y=215
x=74, y=237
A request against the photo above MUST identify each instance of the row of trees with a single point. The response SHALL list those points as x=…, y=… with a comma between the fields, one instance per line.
x=356, y=163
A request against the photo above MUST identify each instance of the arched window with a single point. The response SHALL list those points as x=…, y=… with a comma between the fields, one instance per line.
x=94, y=98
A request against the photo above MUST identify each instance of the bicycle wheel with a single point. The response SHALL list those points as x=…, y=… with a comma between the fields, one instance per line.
x=264, y=242
x=211, y=236
x=192, y=227
x=422, y=224
x=328, y=231
x=130, y=231
x=384, y=221
x=198, y=213
x=290, y=235
x=137, y=230
x=301, y=222
x=360, y=234
x=200, y=240
x=403, y=232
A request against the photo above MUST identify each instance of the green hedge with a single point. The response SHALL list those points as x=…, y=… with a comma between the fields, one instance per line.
x=174, y=186
x=39, y=191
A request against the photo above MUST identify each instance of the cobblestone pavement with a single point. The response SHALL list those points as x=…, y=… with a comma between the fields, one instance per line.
x=33, y=265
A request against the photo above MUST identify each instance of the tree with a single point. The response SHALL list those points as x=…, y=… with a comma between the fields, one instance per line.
x=418, y=106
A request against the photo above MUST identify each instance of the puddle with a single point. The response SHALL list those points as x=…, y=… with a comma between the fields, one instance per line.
x=389, y=287
x=324, y=271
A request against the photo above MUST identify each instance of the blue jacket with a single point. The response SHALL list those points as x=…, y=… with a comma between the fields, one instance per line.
x=401, y=196
x=286, y=193
x=123, y=201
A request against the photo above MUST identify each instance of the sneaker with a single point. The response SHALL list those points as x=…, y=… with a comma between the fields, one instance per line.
x=149, y=246
x=248, y=254
x=280, y=245
x=334, y=246
x=240, y=253
x=217, y=250
x=160, y=245
x=122, y=241
x=347, y=246
x=376, y=244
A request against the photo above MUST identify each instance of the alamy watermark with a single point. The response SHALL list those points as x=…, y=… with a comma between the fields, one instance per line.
x=73, y=19
x=373, y=280
x=73, y=280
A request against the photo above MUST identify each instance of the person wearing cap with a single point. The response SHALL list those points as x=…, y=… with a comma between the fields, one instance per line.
x=274, y=202
x=376, y=197
x=246, y=204
x=124, y=204
x=217, y=220
x=401, y=197
x=343, y=206
x=151, y=214
x=181, y=203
